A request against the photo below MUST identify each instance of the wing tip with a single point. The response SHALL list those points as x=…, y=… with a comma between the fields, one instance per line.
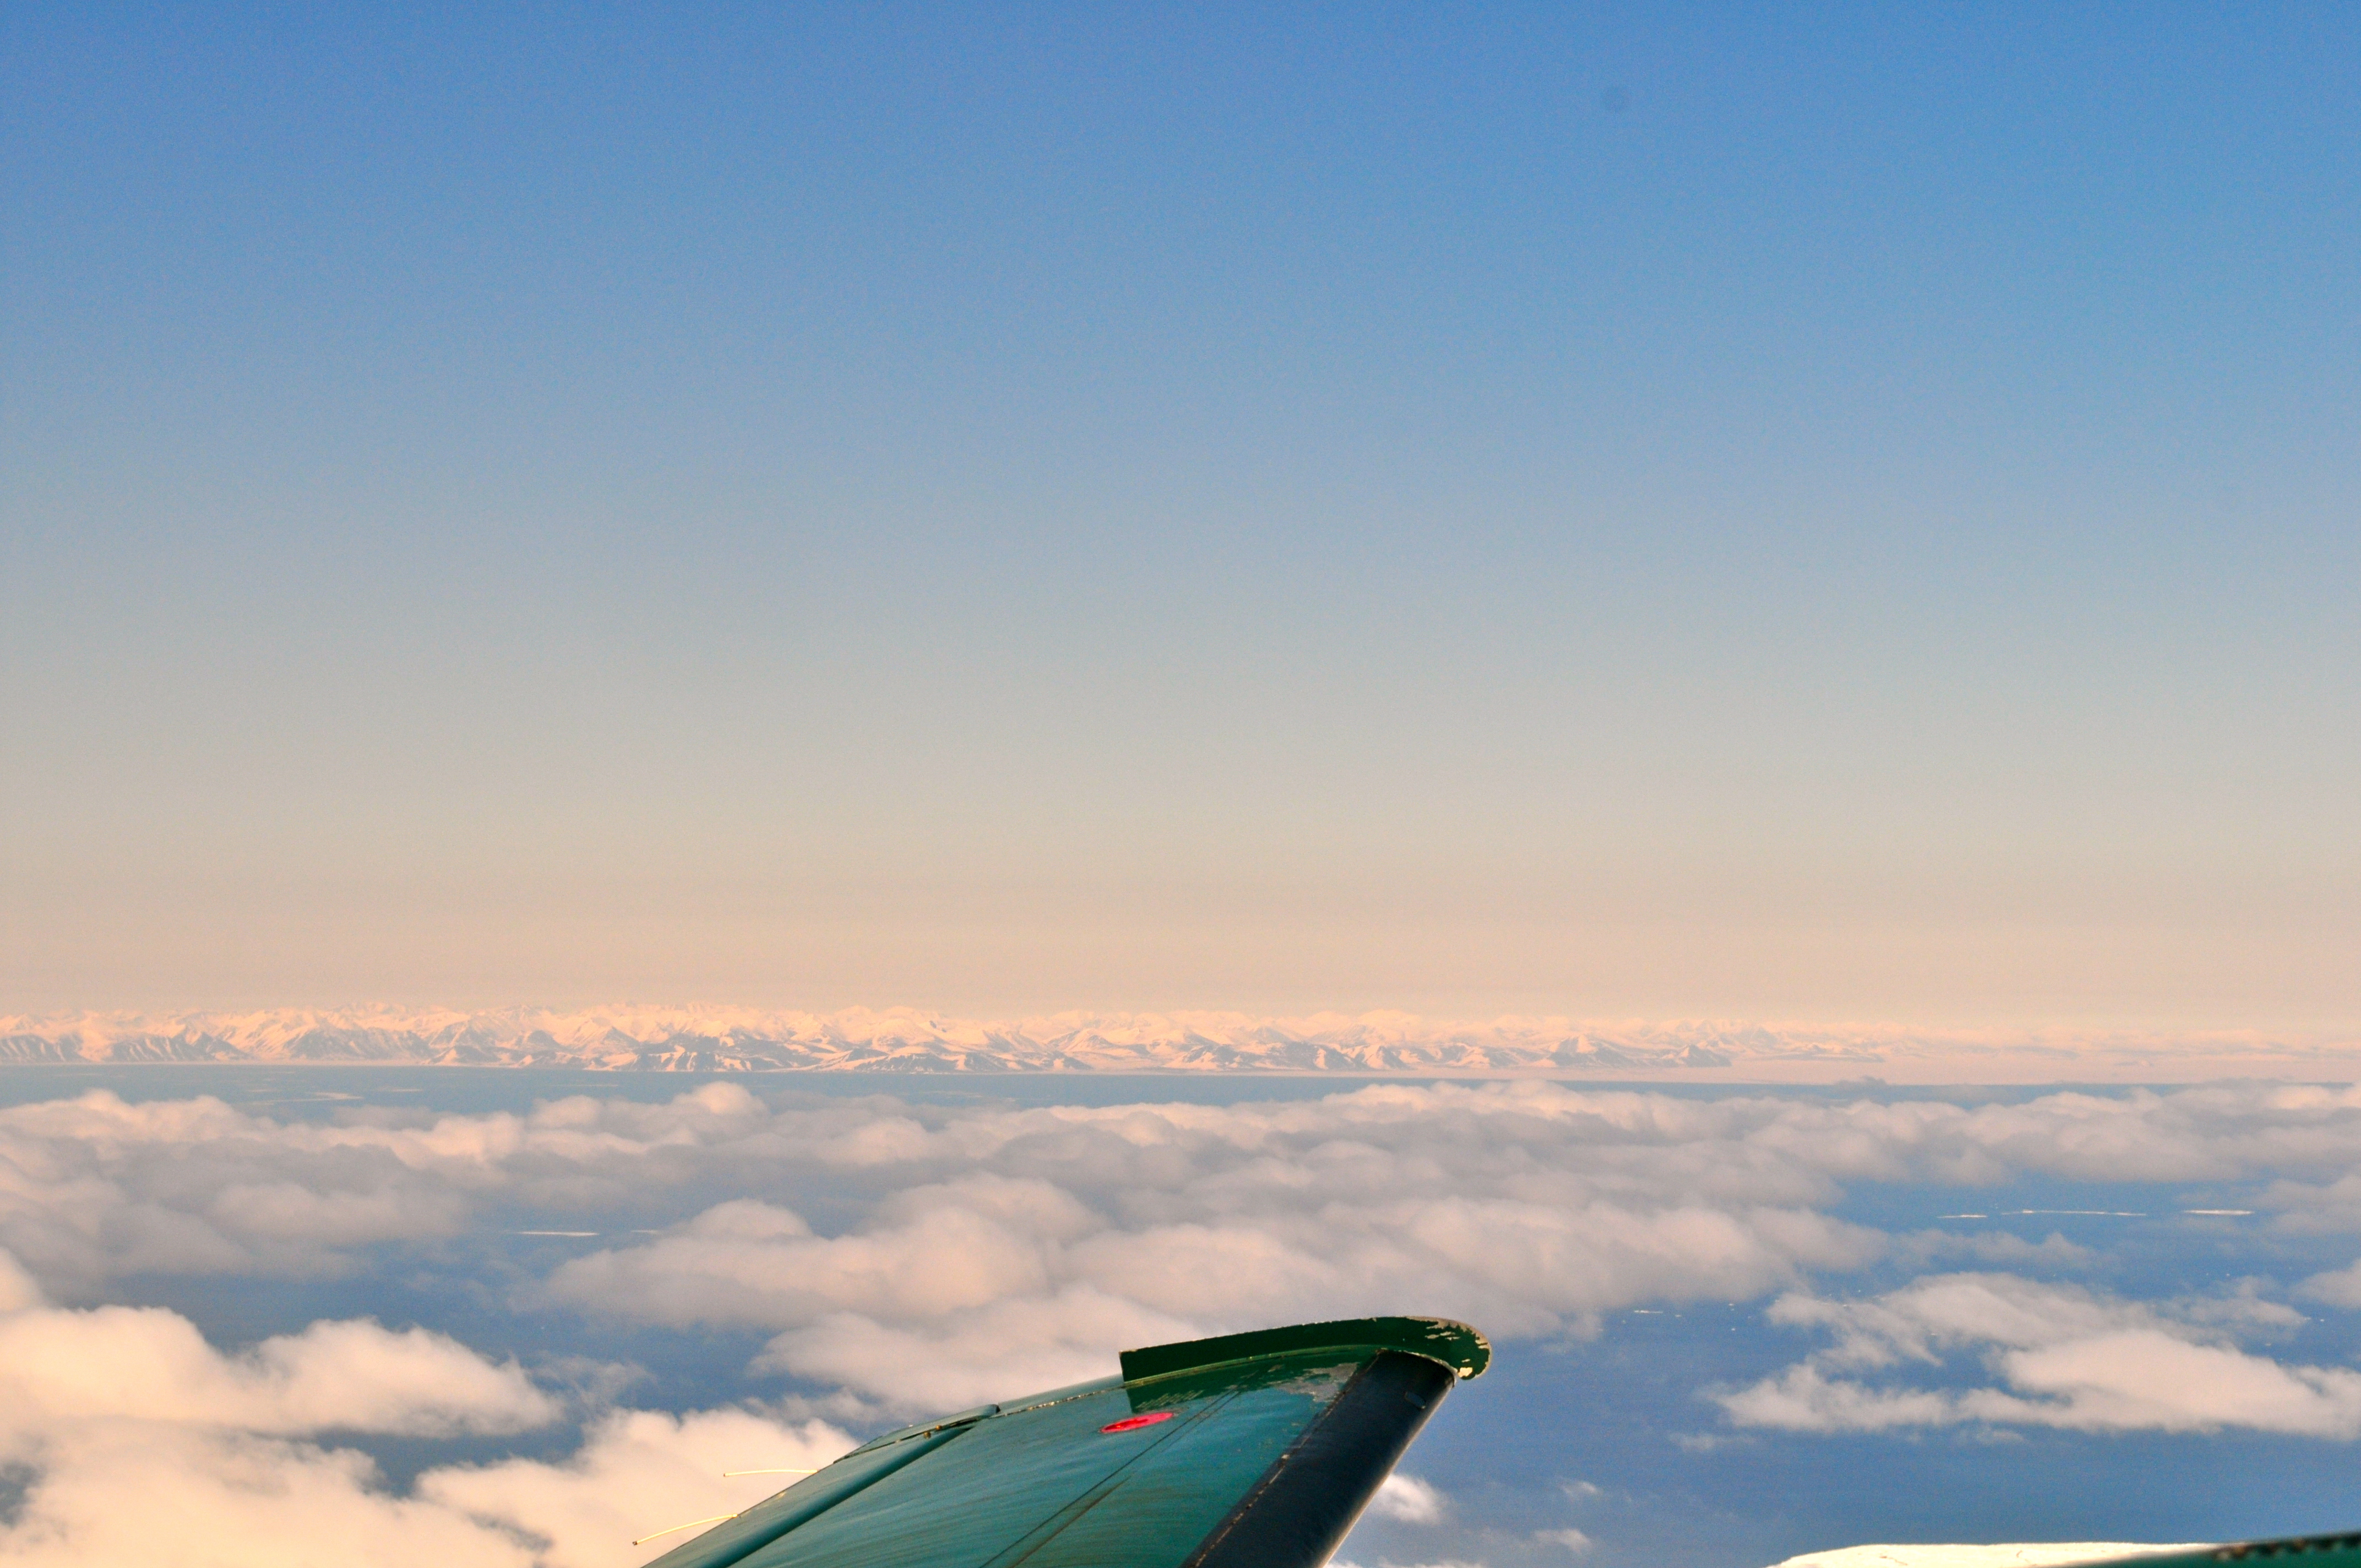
x=1456, y=1345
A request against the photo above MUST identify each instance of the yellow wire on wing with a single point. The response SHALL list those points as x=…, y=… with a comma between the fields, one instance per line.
x=677, y=1529
x=717, y=1518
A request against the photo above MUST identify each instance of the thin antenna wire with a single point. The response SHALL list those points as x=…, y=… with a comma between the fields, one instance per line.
x=675, y=1528
x=717, y=1518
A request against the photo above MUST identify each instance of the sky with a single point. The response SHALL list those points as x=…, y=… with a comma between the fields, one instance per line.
x=517, y=1319
x=1821, y=512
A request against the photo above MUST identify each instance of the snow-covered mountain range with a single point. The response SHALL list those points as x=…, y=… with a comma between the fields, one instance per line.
x=742, y=1039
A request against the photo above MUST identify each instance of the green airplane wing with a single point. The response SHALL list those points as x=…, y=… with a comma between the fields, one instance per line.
x=2317, y=1551
x=1250, y=1450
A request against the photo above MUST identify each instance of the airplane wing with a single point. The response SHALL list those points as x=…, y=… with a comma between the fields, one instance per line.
x=2317, y=1552
x=1250, y=1451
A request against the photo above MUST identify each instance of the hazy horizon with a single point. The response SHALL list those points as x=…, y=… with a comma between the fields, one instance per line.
x=1646, y=512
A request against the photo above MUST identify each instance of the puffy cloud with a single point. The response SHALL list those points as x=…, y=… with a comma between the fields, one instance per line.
x=2339, y=1288
x=1407, y=1498
x=112, y=1491
x=1532, y=1212
x=2323, y=1207
x=750, y=1262
x=902, y=1251
x=140, y=1442
x=968, y=1358
x=285, y=1212
x=93, y=1188
x=923, y=1257
x=872, y=1237
x=19, y=1289
x=638, y=1472
x=2063, y=1357
x=107, y=1492
x=148, y=1365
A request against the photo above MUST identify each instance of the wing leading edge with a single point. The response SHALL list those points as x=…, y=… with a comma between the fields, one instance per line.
x=1250, y=1451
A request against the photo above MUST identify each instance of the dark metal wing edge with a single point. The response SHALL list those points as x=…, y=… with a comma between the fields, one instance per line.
x=1301, y=1509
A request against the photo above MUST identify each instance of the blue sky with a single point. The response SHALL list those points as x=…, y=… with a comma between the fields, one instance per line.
x=1818, y=513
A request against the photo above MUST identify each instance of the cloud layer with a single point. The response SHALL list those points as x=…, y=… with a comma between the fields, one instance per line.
x=2058, y=1355
x=892, y=1257
x=1532, y=1204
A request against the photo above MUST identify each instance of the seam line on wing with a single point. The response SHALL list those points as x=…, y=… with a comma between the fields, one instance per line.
x=792, y=1519
x=1015, y=1555
x=1264, y=1482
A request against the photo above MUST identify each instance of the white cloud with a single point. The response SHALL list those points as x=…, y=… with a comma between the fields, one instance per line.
x=636, y=1473
x=1408, y=1499
x=948, y=1360
x=911, y=1254
x=108, y=1492
x=859, y=1233
x=2341, y=1288
x=1669, y=1195
x=148, y=1365
x=2062, y=1357
x=112, y=1491
x=749, y=1262
x=19, y=1289
x=1570, y=1538
x=916, y=1257
x=1518, y=1210
x=142, y=1443
x=286, y=1211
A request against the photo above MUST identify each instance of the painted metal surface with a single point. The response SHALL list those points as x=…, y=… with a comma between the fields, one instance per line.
x=1204, y=1459
x=1456, y=1345
x=2312, y=1551
x=766, y=1521
x=1300, y=1512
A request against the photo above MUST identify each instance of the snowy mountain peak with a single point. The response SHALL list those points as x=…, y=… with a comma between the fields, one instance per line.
x=712, y=1038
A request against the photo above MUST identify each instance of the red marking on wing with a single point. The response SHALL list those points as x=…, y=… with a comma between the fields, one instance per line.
x=1133, y=1423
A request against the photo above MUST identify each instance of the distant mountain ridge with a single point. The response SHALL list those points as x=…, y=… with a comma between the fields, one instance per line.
x=740, y=1039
